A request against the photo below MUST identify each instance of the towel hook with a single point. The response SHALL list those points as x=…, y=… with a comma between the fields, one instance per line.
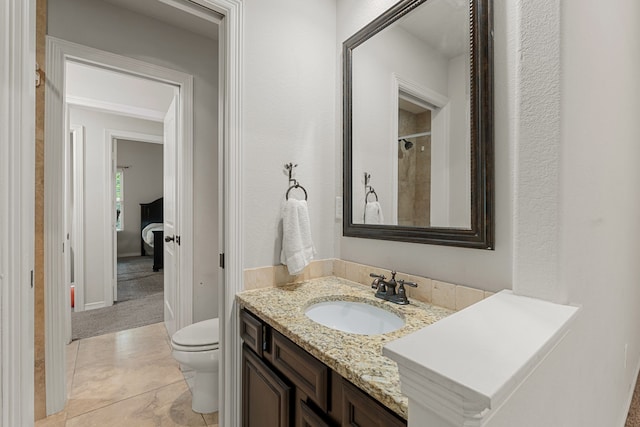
x=293, y=183
x=368, y=189
x=289, y=167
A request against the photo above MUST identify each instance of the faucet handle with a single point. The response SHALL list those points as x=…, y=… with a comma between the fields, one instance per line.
x=401, y=298
x=378, y=276
x=404, y=282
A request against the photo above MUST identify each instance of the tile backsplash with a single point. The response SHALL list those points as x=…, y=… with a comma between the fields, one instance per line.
x=448, y=295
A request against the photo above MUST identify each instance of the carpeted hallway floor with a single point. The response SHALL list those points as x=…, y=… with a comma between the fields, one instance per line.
x=633, y=418
x=140, y=302
x=136, y=278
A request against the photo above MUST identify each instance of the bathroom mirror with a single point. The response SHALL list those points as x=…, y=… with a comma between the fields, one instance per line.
x=418, y=125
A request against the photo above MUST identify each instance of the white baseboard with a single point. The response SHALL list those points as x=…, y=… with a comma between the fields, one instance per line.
x=94, y=305
x=129, y=254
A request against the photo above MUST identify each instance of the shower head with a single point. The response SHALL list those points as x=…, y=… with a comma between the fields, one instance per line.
x=407, y=144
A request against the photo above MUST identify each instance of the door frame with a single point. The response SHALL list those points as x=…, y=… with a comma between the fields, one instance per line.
x=77, y=232
x=17, y=210
x=230, y=191
x=111, y=137
x=231, y=162
x=58, y=53
x=16, y=374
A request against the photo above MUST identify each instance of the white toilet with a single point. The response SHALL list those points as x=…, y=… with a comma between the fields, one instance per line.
x=197, y=347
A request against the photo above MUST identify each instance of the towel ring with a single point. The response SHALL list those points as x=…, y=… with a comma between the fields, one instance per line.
x=296, y=185
x=371, y=191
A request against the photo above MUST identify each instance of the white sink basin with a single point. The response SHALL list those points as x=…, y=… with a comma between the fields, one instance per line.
x=354, y=317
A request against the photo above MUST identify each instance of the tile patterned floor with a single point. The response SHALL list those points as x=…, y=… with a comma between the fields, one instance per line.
x=126, y=378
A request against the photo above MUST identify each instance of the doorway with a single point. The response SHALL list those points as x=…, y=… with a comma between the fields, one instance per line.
x=114, y=165
x=229, y=214
x=179, y=182
x=20, y=321
x=132, y=282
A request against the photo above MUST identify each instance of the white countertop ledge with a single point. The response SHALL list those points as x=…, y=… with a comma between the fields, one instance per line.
x=470, y=362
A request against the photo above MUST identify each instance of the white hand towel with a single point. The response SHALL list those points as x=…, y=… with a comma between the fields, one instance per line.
x=297, y=246
x=373, y=213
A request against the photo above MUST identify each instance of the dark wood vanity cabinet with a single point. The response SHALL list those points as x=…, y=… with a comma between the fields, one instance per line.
x=283, y=385
x=358, y=409
x=270, y=397
x=308, y=417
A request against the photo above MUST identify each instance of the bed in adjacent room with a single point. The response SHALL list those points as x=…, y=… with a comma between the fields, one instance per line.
x=151, y=230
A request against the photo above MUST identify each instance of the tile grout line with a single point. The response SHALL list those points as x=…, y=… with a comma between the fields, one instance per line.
x=130, y=397
x=73, y=373
x=165, y=338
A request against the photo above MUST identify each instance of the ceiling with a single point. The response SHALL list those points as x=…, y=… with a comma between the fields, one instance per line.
x=201, y=21
x=116, y=92
x=443, y=24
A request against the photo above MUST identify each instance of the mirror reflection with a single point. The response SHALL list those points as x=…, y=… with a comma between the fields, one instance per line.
x=411, y=151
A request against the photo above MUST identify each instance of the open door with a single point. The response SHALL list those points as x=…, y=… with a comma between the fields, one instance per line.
x=171, y=241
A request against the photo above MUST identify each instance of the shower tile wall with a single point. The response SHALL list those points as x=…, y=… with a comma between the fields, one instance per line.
x=414, y=170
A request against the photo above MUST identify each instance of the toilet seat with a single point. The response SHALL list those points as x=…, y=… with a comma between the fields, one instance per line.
x=200, y=336
x=194, y=348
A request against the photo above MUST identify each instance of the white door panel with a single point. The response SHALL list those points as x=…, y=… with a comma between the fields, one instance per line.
x=170, y=246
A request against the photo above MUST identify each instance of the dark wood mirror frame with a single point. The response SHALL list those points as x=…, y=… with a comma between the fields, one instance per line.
x=481, y=233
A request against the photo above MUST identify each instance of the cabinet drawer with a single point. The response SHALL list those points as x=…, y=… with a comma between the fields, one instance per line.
x=360, y=410
x=304, y=370
x=252, y=332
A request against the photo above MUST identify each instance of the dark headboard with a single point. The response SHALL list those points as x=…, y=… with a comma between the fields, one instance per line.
x=151, y=212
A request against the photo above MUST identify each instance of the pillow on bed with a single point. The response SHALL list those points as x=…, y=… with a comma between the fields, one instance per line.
x=147, y=232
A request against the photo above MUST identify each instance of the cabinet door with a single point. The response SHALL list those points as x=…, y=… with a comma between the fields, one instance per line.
x=309, y=417
x=360, y=410
x=266, y=399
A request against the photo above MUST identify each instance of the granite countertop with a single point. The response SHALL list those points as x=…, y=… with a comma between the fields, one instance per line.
x=358, y=358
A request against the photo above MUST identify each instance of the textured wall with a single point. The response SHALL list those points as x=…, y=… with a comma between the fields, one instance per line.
x=577, y=205
x=289, y=116
x=537, y=153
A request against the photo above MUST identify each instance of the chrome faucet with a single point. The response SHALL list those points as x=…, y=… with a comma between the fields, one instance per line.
x=386, y=290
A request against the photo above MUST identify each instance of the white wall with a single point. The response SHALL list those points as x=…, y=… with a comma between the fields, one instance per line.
x=289, y=116
x=489, y=270
x=460, y=143
x=96, y=204
x=103, y=26
x=143, y=183
x=585, y=382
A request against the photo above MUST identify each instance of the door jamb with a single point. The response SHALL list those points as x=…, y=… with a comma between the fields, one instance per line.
x=232, y=239
x=17, y=209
